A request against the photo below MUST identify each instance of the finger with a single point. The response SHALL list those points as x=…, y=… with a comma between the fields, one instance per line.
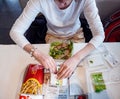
x=50, y=66
x=67, y=74
x=53, y=66
x=62, y=68
x=61, y=74
x=49, y=63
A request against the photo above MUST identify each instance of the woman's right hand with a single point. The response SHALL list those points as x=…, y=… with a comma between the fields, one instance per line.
x=46, y=60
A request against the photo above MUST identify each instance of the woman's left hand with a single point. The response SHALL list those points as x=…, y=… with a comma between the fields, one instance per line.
x=68, y=67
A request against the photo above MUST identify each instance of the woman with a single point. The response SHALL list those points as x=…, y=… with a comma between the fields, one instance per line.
x=63, y=23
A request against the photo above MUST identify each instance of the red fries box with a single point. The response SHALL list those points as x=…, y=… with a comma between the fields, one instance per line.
x=32, y=83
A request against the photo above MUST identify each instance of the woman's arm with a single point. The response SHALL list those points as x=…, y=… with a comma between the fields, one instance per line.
x=46, y=60
x=19, y=28
x=92, y=15
x=24, y=21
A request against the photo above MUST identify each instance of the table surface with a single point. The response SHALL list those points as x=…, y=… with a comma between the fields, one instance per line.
x=13, y=62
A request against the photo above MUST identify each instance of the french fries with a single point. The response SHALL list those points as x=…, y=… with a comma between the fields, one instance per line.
x=31, y=86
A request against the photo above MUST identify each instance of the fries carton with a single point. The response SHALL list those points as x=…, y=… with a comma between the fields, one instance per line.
x=33, y=81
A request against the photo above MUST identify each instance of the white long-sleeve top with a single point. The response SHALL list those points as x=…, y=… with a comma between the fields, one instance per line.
x=60, y=22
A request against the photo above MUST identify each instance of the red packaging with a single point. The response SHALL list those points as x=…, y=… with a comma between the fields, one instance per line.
x=35, y=71
x=23, y=96
x=33, y=80
x=82, y=97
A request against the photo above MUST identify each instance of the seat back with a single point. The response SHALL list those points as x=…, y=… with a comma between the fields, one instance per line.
x=23, y=3
x=112, y=27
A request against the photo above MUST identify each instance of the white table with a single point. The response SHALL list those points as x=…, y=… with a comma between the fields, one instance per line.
x=13, y=62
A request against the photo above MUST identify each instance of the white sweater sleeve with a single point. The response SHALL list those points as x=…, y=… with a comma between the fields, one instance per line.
x=24, y=21
x=94, y=21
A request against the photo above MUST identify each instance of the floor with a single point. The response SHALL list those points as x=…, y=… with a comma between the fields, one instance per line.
x=9, y=11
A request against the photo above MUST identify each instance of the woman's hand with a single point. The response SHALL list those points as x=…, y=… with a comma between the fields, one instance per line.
x=46, y=60
x=68, y=67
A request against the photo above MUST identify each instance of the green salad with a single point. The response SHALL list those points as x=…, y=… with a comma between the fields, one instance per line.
x=61, y=50
x=98, y=82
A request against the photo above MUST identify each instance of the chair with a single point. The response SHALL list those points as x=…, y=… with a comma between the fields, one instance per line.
x=23, y=3
x=112, y=27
